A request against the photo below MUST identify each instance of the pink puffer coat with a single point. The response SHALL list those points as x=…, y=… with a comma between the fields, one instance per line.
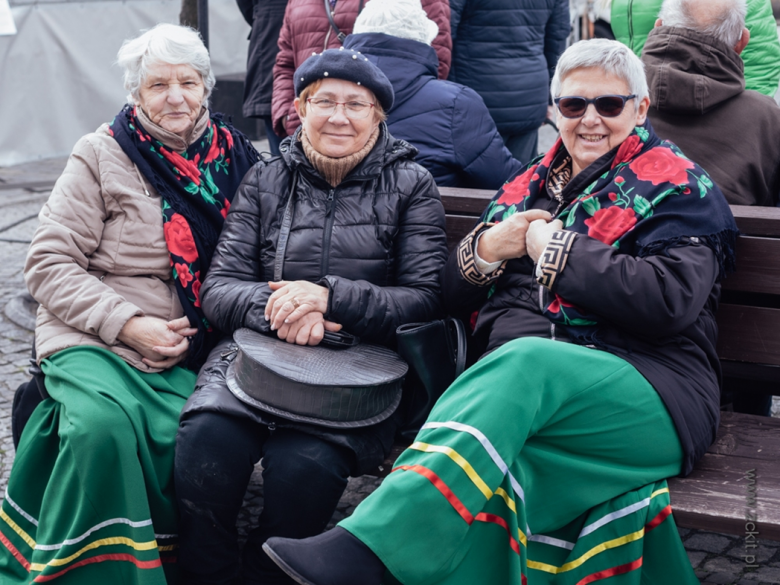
x=306, y=30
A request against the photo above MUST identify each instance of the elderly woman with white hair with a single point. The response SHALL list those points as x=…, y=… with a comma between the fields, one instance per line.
x=595, y=278
x=124, y=242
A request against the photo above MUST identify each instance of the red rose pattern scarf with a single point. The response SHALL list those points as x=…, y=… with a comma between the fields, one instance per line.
x=651, y=199
x=196, y=188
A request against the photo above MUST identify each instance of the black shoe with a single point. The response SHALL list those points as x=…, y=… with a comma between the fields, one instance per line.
x=331, y=558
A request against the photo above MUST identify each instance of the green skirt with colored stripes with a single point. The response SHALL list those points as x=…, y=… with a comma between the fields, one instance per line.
x=543, y=464
x=90, y=499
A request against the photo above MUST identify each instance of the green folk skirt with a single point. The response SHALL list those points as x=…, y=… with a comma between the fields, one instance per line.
x=90, y=499
x=543, y=464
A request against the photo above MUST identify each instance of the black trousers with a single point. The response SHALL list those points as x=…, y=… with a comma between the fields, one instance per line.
x=303, y=479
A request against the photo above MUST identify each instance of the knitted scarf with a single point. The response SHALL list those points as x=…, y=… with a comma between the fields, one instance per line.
x=335, y=169
x=196, y=188
x=652, y=198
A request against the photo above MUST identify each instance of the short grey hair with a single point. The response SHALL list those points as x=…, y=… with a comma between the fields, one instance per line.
x=165, y=43
x=612, y=57
x=723, y=20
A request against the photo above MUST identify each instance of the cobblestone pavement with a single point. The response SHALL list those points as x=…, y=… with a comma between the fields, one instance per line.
x=717, y=558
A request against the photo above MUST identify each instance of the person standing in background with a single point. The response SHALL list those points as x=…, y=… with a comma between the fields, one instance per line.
x=696, y=44
x=265, y=17
x=506, y=50
x=447, y=122
x=632, y=21
x=308, y=28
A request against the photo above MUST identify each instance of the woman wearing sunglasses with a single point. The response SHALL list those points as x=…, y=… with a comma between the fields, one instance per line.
x=593, y=279
x=364, y=249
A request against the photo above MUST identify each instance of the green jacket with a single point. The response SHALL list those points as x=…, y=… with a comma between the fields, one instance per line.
x=632, y=20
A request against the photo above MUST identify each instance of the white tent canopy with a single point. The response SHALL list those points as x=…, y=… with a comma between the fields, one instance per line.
x=57, y=78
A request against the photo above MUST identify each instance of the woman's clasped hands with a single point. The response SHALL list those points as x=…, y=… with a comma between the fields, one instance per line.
x=162, y=343
x=296, y=311
x=523, y=233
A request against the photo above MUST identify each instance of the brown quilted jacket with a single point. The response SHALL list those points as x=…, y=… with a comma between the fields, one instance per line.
x=306, y=30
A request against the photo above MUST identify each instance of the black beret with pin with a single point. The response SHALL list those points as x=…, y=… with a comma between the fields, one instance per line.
x=348, y=65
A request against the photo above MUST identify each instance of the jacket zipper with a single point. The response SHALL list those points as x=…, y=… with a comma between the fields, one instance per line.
x=560, y=201
x=542, y=294
x=631, y=24
x=329, y=215
x=327, y=38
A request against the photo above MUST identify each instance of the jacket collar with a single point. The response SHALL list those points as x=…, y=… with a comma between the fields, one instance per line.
x=173, y=141
x=689, y=72
x=385, y=152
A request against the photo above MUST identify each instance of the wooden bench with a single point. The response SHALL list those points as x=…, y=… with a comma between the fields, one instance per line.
x=736, y=487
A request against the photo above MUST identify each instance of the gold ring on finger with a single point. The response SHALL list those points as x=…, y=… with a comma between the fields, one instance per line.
x=296, y=303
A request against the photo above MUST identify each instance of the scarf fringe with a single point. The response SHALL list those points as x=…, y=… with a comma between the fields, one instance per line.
x=723, y=244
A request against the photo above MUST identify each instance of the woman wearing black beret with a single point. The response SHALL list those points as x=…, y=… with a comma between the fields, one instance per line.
x=365, y=247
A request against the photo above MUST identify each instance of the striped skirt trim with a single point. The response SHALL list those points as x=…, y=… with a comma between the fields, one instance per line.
x=47, y=562
x=585, y=556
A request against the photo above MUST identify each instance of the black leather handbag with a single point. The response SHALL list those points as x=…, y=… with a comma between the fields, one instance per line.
x=436, y=354
x=356, y=385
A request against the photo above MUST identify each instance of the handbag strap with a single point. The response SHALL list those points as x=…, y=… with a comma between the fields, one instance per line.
x=339, y=35
x=458, y=338
x=284, y=233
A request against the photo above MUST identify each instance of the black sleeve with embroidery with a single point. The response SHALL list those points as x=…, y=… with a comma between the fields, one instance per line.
x=464, y=287
x=553, y=258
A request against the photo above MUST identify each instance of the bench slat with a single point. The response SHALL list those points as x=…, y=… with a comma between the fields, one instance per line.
x=465, y=201
x=715, y=495
x=758, y=266
x=457, y=227
x=768, y=376
x=749, y=334
x=757, y=221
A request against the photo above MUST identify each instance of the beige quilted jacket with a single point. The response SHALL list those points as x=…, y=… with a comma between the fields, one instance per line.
x=99, y=256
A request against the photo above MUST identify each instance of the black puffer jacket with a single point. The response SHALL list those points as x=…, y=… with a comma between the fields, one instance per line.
x=376, y=241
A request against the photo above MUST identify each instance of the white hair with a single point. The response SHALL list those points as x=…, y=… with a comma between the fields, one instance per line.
x=405, y=19
x=165, y=43
x=612, y=57
x=723, y=20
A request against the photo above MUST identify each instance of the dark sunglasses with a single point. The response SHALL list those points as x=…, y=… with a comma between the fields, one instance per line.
x=608, y=106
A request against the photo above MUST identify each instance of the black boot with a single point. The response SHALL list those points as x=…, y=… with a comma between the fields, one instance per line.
x=331, y=558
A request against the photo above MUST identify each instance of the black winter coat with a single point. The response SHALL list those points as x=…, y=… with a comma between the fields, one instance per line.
x=506, y=50
x=376, y=241
x=661, y=319
x=266, y=18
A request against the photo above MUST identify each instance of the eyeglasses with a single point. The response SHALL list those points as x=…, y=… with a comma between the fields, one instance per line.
x=354, y=110
x=608, y=106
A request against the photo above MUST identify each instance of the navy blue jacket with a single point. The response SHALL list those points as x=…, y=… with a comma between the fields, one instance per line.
x=447, y=122
x=507, y=51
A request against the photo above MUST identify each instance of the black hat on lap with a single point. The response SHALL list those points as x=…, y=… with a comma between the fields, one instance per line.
x=348, y=65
